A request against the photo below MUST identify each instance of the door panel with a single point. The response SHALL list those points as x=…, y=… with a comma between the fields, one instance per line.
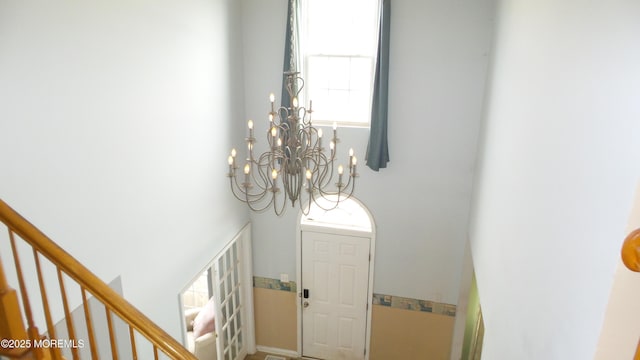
x=229, y=325
x=335, y=270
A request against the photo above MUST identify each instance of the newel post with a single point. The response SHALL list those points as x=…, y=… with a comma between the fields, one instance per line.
x=11, y=323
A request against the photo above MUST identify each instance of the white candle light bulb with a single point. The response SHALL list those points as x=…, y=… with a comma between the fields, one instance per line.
x=274, y=174
x=340, y=170
x=335, y=125
x=295, y=102
x=319, y=133
x=247, y=169
x=250, y=124
x=279, y=142
x=272, y=97
x=233, y=152
x=230, y=160
x=332, y=145
x=355, y=160
x=308, y=174
x=351, y=152
x=274, y=131
x=270, y=117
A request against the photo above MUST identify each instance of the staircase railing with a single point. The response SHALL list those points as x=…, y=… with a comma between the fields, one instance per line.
x=12, y=328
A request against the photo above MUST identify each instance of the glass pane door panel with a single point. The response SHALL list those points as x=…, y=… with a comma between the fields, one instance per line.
x=228, y=274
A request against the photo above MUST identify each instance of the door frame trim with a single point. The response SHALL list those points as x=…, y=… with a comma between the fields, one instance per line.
x=340, y=231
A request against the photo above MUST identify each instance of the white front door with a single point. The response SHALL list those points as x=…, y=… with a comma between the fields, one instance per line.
x=335, y=280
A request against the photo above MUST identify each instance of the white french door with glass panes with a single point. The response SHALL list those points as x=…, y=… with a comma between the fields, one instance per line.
x=230, y=318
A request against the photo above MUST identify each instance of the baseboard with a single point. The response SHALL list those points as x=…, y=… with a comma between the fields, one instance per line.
x=276, y=351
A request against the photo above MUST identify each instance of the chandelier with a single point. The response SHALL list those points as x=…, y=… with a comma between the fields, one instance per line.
x=295, y=163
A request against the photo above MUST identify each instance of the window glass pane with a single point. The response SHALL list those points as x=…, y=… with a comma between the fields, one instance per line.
x=318, y=69
x=233, y=352
x=236, y=275
x=230, y=286
x=221, y=268
x=234, y=253
x=222, y=292
x=232, y=328
x=339, y=44
x=228, y=260
x=232, y=304
x=361, y=73
x=338, y=71
x=339, y=100
x=352, y=30
x=223, y=311
x=233, y=278
x=197, y=294
x=321, y=105
x=359, y=101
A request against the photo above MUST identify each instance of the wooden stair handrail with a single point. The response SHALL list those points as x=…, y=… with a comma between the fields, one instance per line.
x=75, y=270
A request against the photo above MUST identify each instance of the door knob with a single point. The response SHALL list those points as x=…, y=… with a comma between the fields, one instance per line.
x=305, y=304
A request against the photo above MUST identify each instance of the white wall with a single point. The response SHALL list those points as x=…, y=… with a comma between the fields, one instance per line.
x=559, y=166
x=439, y=59
x=114, y=117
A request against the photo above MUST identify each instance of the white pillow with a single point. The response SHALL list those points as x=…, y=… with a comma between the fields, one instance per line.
x=205, y=321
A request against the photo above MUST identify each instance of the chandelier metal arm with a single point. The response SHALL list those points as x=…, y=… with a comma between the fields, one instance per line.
x=295, y=159
x=245, y=194
x=248, y=197
x=250, y=204
x=264, y=168
x=325, y=172
x=279, y=211
x=305, y=209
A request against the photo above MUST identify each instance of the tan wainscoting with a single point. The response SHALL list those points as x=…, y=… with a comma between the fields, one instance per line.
x=405, y=334
x=275, y=318
x=401, y=328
